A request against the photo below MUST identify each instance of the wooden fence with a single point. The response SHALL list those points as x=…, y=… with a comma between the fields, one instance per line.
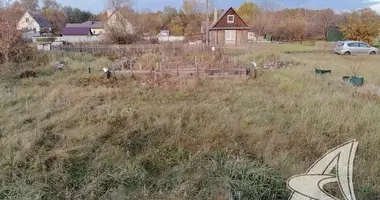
x=138, y=48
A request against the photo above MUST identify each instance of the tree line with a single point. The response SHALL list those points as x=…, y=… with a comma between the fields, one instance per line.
x=307, y=24
x=266, y=18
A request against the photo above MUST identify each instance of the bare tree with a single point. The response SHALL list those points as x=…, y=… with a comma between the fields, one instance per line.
x=31, y=5
x=123, y=25
x=264, y=17
x=51, y=4
x=324, y=19
x=8, y=35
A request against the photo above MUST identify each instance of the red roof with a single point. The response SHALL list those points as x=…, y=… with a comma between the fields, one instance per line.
x=222, y=24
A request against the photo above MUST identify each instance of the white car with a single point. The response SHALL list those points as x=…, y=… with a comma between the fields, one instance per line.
x=354, y=47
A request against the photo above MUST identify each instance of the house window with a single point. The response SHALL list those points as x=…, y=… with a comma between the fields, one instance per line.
x=230, y=34
x=34, y=30
x=230, y=19
x=27, y=20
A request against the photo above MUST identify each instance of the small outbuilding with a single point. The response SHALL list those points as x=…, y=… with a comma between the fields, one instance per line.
x=77, y=34
x=229, y=29
x=334, y=34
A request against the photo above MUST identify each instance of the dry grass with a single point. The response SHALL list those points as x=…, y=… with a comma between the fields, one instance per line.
x=208, y=139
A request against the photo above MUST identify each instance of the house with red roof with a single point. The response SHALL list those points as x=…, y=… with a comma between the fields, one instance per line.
x=228, y=29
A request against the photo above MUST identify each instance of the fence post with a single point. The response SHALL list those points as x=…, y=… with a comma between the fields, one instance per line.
x=224, y=70
x=132, y=72
x=196, y=64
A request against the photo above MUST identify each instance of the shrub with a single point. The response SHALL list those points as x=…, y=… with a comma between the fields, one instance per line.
x=153, y=40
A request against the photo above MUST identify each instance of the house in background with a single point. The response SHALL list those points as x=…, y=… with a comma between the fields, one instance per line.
x=34, y=25
x=164, y=36
x=94, y=30
x=164, y=31
x=117, y=19
x=229, y=29
x=77, y=35
x=96, y=26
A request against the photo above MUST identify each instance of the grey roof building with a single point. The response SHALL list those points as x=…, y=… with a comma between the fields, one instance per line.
x=88, y=24
x=76, y=31
x=40, y=19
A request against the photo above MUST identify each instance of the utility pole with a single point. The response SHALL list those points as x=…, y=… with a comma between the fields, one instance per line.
x=207, y=22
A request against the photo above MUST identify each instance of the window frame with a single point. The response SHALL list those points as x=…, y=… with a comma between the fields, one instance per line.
x=229, y=34
x=27, y=20
x=230, y=38
x=228, y=19
x=365, y=45
x=351, y=44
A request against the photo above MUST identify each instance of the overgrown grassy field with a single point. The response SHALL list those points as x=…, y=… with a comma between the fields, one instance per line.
x=71, y=135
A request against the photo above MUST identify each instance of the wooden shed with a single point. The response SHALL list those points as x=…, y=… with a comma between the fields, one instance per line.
x=229, y=29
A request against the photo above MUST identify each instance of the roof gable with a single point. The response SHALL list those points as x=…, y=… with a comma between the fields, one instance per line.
x=221, y=23
x=40, y=19
x=93, y=24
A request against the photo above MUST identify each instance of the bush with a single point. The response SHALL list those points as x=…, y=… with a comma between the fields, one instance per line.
x=153, y=40
x=122, y=37
x=19, y=52
x=48, y=39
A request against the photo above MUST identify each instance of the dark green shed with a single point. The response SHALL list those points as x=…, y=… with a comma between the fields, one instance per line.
x=334, y=34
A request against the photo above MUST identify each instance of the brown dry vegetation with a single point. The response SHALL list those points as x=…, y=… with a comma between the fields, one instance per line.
x=71, y=135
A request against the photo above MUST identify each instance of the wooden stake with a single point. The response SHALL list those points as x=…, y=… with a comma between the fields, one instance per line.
x=196, y=64
x=132, y=71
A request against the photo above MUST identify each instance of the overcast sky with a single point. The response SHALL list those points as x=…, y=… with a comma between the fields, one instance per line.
x=340, y=5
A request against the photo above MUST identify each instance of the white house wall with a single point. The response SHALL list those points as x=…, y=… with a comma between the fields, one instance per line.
x=22, y=24
x=78, y=38
x=171, y=38
x=115, y=21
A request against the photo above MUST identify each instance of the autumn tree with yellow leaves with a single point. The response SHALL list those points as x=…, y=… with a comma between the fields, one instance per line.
x=362, y=25
x=247, y=11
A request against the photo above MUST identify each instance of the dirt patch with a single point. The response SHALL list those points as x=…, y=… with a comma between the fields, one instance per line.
x=96, y=81
x=28, y=74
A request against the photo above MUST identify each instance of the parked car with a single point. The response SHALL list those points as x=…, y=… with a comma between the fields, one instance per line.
x=354, y=47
